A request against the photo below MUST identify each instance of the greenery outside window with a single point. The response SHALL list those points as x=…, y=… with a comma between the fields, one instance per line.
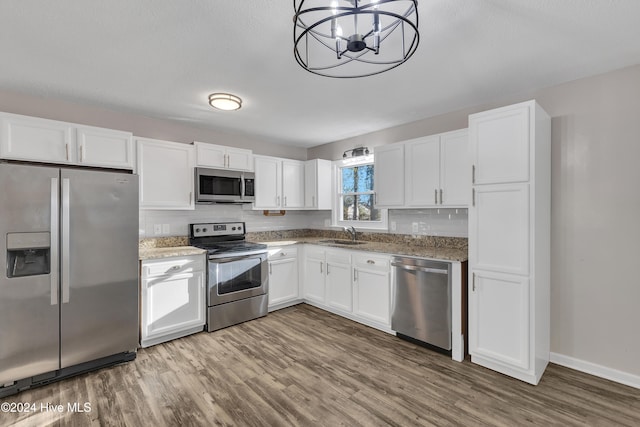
x=355, y=195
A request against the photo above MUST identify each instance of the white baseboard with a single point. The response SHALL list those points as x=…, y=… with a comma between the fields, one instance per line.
x=596, y=370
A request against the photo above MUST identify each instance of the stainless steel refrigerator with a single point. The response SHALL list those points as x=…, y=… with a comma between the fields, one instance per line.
x=69, y=286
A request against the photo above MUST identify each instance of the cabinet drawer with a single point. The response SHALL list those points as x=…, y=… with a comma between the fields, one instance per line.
x=371, y=262
x=176, y=265
x=283, y=253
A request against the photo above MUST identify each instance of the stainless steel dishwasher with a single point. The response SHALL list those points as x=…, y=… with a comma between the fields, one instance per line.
x=422, y=302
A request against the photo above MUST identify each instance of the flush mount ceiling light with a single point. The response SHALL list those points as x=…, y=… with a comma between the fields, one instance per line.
x=225, y=101
x=352, y=38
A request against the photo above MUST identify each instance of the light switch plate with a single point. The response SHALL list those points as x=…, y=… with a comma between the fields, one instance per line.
x=414, y=227
x=166, y=229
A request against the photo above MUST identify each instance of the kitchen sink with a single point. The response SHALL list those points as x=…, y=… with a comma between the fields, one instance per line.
x=342, y=242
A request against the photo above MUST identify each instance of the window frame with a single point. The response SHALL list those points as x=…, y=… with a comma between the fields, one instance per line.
x=336, y=214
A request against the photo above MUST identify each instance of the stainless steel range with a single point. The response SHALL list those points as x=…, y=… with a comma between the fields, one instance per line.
x=238, y=279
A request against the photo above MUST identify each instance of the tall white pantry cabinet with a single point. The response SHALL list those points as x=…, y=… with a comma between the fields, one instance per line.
x=509, y=240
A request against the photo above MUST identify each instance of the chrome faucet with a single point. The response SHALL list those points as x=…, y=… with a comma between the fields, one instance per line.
x=351, y=230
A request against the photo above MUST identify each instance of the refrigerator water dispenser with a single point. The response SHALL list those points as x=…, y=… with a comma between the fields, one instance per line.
x=28, y=254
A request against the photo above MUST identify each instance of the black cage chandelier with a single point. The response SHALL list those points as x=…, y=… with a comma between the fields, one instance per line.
x=352, y=38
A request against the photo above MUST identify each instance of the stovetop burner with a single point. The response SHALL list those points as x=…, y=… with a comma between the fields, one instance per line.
x=222, y=237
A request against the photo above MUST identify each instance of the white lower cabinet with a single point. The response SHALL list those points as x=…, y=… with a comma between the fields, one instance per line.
x=173, y=302
x=371, y=290
x=499, y=318
x=338, y=280
x=354, y=284
x=283, y=277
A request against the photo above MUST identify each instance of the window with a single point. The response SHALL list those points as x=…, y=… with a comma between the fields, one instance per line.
x=355, y=195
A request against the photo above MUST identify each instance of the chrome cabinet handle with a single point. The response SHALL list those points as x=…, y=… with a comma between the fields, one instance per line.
x=473, y=174
x=370, y=261
x=282, y=254
x=441, y=196
x=285, y=200
x=355, y=275
x=473, y=282
x=270, y=268
x=435, y=196
x=321, y=268
x=473, y=197
x=327, y=268
x=66, y=147
x=175, y=267
x=82, y=152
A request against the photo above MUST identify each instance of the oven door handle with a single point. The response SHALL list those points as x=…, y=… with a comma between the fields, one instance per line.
x=245, y=255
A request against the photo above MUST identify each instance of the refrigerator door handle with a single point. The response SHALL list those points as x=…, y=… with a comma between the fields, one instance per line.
x=55, y=240
x=65, y=241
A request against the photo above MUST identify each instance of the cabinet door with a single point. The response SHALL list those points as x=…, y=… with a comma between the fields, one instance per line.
x=422, y=172
x=314, y=269
x=318, y=183
x=283, y=280
x=239, y=159
x=292, y=184
x=38, y=140
x=372, y=288
x=499, y=228
x=499, y=318
x=210, y=155
x=499, y=141
x=172, y=303
x=338, y=280
x=388, y=177
x=105, y=148
x=455, y=168
x=166, y=174
x=268, y=172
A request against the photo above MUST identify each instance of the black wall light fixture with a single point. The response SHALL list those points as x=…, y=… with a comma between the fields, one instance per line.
x=356, y=152
x=352, y=38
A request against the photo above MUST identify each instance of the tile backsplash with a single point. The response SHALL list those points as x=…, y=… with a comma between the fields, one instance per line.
x=419, y=222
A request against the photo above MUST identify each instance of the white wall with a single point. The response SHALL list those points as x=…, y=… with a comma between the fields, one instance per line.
x=595, y=238
x=139, y=125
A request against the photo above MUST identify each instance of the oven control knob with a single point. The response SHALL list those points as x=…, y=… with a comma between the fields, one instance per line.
x=239, y=228
x=233, y=228
x=204, y=230
x=197, y=230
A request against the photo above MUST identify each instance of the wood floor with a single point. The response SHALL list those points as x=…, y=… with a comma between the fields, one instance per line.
x=303, y=366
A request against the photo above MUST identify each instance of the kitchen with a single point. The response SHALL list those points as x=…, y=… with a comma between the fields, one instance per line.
x=592, y=140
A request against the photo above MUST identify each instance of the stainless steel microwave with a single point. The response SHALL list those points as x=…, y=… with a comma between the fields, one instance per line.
x=224, y=186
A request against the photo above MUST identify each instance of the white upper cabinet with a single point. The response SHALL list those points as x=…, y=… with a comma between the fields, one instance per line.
x=279, y=183
x=500, y=146
x=38, y=140
x=268, y=172
x=388, y=179
x=437, y=170
x=50, y=141
x=455, y=168
x=317, y=184
x=223, y=157
x=166, y=174
x=292, y=184
x=422, y=170
x=105, y=148
x=431, y=171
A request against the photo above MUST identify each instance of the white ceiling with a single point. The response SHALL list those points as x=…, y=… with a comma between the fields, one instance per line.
x=161, y=58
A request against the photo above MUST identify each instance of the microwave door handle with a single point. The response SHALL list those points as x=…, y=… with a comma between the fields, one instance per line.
x=242, y=190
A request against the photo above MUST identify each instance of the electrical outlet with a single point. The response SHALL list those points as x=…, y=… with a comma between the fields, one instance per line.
x=414, y=227
x=166, y=229
x=157, y=229
x=394, y=225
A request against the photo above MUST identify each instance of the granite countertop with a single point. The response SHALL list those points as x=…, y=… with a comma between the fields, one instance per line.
x=166, y=247
x=432, y=252
x=433, y=247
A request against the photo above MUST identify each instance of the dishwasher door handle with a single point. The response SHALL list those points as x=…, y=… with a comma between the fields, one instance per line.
x=423, y=269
